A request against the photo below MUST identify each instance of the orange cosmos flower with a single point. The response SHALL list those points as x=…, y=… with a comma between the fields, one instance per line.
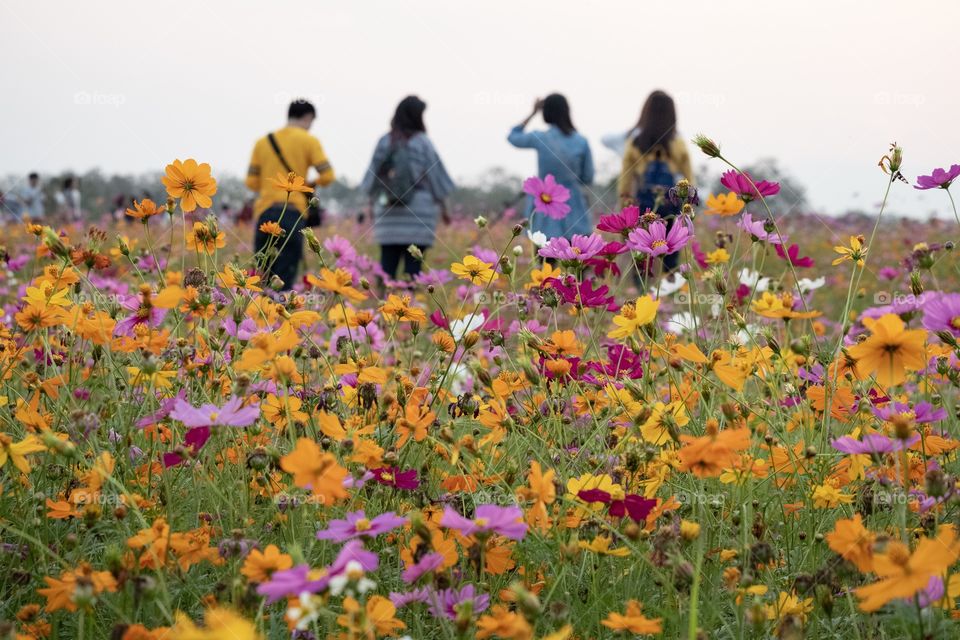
x=633, y=620
x=376, y=619
x=902, y=574
x=890, y=351
x=204, y=239
x=60, y=591
x=399, y=307
x=339, y=282
x=145, y=209
x=315, y=470
x=290, y=183
x=723, y=204
x=542, y=491
x=260, y=565
x=709, y=455
x=272, y=229
x=417, y=417
x=191, y=183
x=503, y=623
x=854, y=542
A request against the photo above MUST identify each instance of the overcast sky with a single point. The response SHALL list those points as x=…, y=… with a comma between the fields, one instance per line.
x=824, y=86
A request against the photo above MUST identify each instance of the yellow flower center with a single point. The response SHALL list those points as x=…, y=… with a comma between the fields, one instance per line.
x=362, y=525
x=545, y=198
x=659, y=243
x=481, y=522
x=955, y=322
x=316, y=574
x=388, y=477
x=213, y=416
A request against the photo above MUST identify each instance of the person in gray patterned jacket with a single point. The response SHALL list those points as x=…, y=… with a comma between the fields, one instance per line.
x=408, y=188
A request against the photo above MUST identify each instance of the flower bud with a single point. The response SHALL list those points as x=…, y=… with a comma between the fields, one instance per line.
x=916, y=284
x=480, y=221
x=708, y=146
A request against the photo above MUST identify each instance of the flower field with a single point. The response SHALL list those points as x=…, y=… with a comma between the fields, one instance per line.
x=537, y=439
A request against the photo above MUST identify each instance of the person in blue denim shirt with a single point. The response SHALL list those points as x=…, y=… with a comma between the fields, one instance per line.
x=565, y=154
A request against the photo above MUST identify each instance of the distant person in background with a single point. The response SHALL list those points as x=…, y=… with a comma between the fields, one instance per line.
x=30, y=197
x=291, y=149
x=408, y=188
x=655, y=160
x=564, y=154
x=68, y=200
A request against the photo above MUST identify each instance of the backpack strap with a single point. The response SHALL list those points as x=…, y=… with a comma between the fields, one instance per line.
x=276, y=149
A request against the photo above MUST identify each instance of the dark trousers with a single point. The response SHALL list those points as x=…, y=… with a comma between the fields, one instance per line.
x=390, y=255
x=288, y=260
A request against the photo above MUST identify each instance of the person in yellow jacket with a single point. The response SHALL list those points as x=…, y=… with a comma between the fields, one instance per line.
x=290, y=149
x=653, y=161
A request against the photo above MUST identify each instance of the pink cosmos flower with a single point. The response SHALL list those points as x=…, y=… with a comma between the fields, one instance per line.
x=939, y=179
x=231, y=414
x=577, y=249
x=740, y=184
x=427, y=564
x=357, y=525
x=657, y=241
x=302, y=578
x=549, y=196
x=872, y=443
x=942, y=313
x=758, y=229
x=506, y=521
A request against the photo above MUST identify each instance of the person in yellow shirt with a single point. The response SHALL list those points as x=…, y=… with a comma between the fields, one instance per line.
x=291, y=149
x=653, y=161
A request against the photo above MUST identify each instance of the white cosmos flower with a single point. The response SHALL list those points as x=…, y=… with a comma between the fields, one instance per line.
x=747, y=336
x=669, y=286
x=752, y=279
x=681, y=322
x=806, y=285
x=538, y=238
x=462, y=326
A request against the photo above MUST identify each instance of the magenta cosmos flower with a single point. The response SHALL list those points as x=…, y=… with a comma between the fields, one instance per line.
x=231, y=414
x=939, y=179
x=302, y=578
x=792, y=255
x=393, y=477
x=741, y=185
x=506, y=521
x=549, y=196
x=577, y=249
x=657, y=241
x=942, y=313
x=582, y=294
x=357, y=525
x=622, y=223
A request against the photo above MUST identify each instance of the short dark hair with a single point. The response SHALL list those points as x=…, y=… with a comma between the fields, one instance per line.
x=300, y=108
x=556, y=111
x=33, y=176
x=408, y=118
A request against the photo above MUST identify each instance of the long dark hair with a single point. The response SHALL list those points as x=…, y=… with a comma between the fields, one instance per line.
x=657, y=124
x=556, y=111
x=408, y=118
